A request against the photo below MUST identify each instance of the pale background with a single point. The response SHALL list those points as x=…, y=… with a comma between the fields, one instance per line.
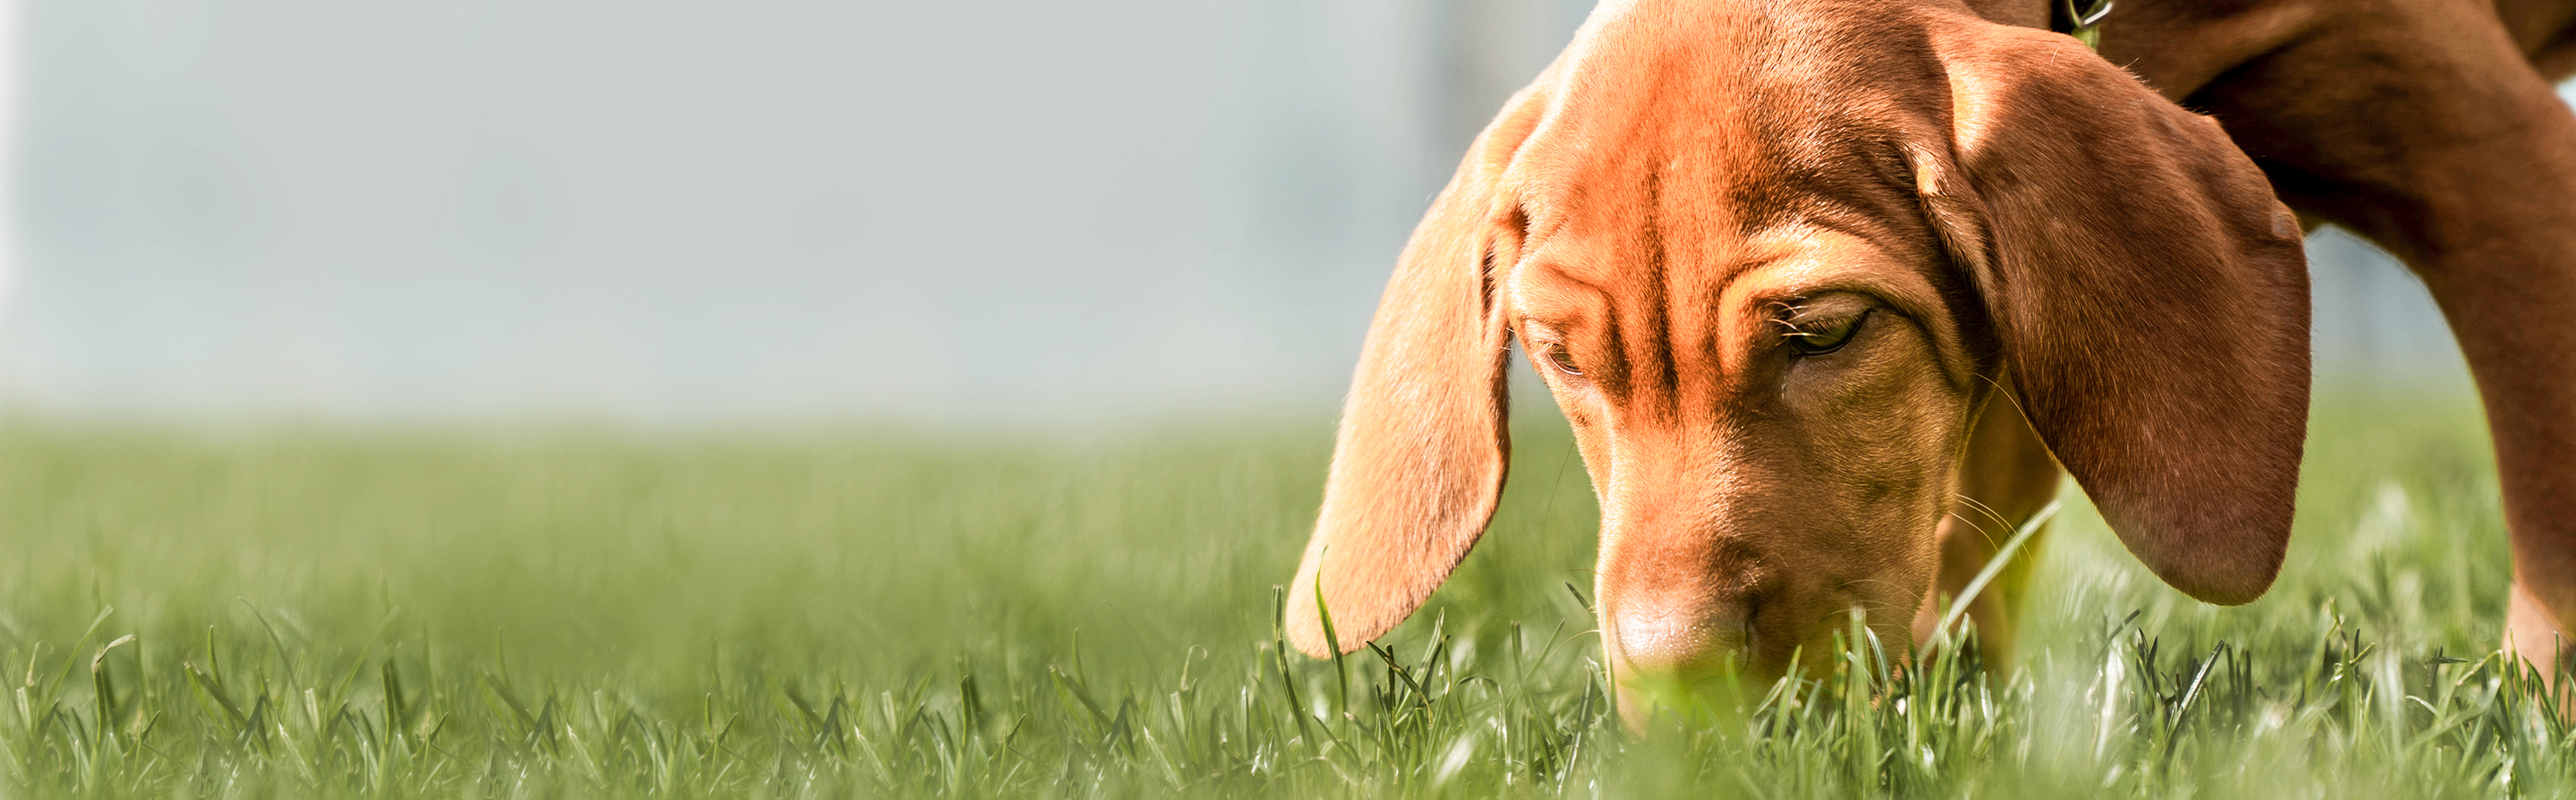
x=682, y=213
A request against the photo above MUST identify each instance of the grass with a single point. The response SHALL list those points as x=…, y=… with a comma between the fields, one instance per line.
x=563, y=614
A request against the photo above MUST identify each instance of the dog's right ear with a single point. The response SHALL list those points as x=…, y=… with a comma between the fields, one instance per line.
x=2149, y=293
x=1419, y=463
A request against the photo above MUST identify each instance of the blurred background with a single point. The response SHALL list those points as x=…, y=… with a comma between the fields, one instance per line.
x=665, y=213
x=764, y=232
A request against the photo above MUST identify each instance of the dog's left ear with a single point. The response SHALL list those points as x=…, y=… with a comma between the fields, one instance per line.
x=1418, y=466
x=2148, y=292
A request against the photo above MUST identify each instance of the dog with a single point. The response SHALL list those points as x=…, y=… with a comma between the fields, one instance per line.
x=1832, y=290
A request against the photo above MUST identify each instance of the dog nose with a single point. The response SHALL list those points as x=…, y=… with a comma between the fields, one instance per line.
x=1670, y=638
x=1671, y=654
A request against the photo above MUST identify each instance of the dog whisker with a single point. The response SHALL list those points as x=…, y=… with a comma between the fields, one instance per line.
x=1990, y=513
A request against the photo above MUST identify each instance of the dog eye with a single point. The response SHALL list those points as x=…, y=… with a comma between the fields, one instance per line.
x=1562, y=361
x=1824, y=336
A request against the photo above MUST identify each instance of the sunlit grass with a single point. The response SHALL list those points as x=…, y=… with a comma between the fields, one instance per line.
x=281, y=612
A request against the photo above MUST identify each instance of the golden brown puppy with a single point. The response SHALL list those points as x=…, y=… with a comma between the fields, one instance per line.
x=1823, y=285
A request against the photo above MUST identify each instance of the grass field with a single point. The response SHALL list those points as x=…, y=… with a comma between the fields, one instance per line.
x=581, y=613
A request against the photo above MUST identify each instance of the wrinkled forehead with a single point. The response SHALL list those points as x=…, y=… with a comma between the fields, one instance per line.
x=1694, y=128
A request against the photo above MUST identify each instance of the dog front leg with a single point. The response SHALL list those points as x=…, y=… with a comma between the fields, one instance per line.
x=2427, y=131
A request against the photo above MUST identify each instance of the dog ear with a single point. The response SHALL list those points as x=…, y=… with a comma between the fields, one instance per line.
x=1418, y=466
x=2147, y=290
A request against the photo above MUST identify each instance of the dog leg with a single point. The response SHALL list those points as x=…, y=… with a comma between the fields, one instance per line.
x=2424, y=129
x=2006, y=476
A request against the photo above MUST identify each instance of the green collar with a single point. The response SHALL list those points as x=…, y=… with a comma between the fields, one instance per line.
x=2081, y=19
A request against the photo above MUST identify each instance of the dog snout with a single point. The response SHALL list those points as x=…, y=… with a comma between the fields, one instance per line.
x=1682, y=637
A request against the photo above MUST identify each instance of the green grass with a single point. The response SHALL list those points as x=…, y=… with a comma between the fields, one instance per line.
x=309, y=612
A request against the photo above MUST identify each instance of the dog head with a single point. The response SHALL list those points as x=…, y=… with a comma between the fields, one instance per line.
x=1771, y=262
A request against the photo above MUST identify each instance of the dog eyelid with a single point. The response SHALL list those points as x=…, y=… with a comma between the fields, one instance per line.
x=1546, y=349
x=1562, y=361
x=1803, y=340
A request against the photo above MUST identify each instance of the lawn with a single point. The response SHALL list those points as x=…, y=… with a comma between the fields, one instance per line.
x=291, y=611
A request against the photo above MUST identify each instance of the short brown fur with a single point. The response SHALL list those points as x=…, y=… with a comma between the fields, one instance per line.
x=1823, y=285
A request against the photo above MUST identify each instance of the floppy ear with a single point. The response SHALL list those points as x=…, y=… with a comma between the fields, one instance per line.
x=1419, y=463
x=2149, y=295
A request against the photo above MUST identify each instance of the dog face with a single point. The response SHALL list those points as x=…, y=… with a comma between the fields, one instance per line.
x=1770, y=420
x=1767, y=358
x=1770, y=262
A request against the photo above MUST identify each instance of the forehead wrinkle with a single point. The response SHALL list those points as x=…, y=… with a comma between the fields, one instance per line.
x=1718, y=317
x=1659, y=272
x=1559, y=300
x=1580, y=309
x=1876, y=228
x=1655, y=307
x=1553, y=270
x=1703, y=267
x=1722, y=138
